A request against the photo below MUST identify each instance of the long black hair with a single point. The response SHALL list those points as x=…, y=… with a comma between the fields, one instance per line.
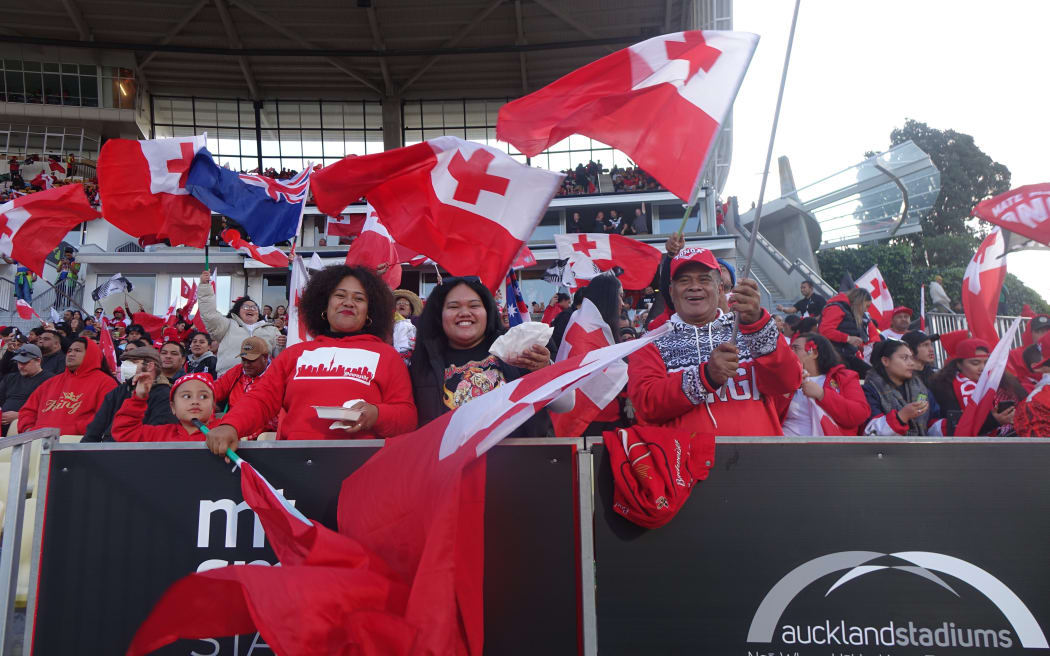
x=429, y=327
x=827, y=355
x=235, y=309
x=313, y=305
x=885, y=349
x=604, y=291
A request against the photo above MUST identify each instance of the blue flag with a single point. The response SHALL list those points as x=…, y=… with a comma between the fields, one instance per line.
x=269, y=210
x=517, y=310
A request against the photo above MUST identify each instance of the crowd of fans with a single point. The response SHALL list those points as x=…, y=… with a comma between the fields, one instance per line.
x=59, y=171
x=386, y=361
x=585, y=179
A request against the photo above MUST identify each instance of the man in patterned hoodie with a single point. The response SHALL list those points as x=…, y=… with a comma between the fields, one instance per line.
x=695, y=378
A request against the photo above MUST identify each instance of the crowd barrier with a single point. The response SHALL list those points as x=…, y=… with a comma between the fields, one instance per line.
x=791, y=546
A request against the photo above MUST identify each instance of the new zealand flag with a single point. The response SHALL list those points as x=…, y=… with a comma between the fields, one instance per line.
x=517, y=310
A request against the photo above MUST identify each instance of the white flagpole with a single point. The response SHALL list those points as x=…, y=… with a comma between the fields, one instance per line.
x=769, y=159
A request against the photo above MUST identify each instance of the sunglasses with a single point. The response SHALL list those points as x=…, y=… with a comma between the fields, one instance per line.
x=459, y=279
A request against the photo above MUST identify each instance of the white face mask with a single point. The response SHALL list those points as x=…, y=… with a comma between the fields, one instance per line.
x=128, y=370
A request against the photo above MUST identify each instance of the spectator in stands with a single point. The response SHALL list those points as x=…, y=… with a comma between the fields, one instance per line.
x=830, y=400
x=791, y=323
x=54, y=358
x=24, y=283
x=954, y=385
x=900, y=319
x=921, y=346
x=640, y=222
x=136, y=360
x=267, y=314
x=350, y=312
x=452, y=364
x=75, y=325
x=172, y=360
x=192, y=398
x=807, y=325
x=230, y=331
x=235, y=383
x=16, y=387
x=575, y=224
x=561, y=322
x=407, y=303
x=135, y=332
x=600, y=225
x=900, y=404
x=34, y=334
x=68, y=271
x=845, y=322
x=1032, y=415
x=615, y=225
x=69, y=400
x=281, y=312
x=559, y=303
x=1018, y=363
x=201, y=359
x=695, y=378
x=939, y=297
x=281, y=325
x=119, y=315
x=810, y=305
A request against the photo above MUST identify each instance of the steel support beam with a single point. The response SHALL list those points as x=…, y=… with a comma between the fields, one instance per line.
x=522, y=62
x=77, y=17
x=174, y=31
x=235, y=41
x=377, y=38
x=453, y=42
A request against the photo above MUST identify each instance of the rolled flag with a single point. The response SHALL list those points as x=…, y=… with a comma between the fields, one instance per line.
x=26, y=311
x=269, y=255
x=32, y=226
x=55, y=316
x=297, y=283
x=661, y=101
x=374, y=247
x=1025, y=210
x=638, y=260
x=467, y=206
x=982, y=284
x=115, y=285
x=975, y=414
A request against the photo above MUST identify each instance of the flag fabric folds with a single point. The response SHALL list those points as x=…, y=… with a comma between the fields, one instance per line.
x=661, y=101
x=271, y=256
x=1025, y=210
x=297, y=283
x=467, y=206
x=975, y=414
x=269, y=210
x=25, y=310
x=403, y=575
x=142, y=185
x=982, y=283
x=517, y=309
x=32, y=226
x=115, y=285
x=374, y=247
x=638, y=260
x=881, y=309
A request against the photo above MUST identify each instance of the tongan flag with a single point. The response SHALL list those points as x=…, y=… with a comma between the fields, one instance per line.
x=468, y=206
x=269, y=210
x=26, y=311
x=31, y=226
x=982, y=283
x=404, y=573
x=638, y=260
x=268, y=255
x=43, y=180
x=346, y=225
x=975, y=414
x=661, y=101
x=374, y=247
x=1025, y=210
x=142, y=185
x=297, y=331
x=881, y=309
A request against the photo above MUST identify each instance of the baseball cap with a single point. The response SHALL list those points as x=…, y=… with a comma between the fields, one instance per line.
x=185, y=378
x=900, y=308
x=1040, y=322
x=968, y=348
x=915, y=337
x=253, y=348
x=27, y=352
x=693, y=254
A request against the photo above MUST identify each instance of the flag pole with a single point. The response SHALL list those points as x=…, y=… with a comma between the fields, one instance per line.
x=202, y=427
x=769, y=158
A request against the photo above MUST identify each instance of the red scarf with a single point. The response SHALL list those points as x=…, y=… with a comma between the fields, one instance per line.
x=964, y=389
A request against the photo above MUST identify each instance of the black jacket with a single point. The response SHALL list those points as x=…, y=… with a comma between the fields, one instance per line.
x=205, y=366
x=158, y=411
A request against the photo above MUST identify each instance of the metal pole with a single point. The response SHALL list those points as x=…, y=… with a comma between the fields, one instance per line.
x=769, y=158
x=588, y=601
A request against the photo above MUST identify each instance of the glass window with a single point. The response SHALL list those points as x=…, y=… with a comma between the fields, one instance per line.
x=34, y=87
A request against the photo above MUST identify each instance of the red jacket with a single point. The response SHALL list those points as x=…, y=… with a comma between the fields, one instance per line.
x=233, y=385
x=1015, y=365
x=328, y=372
x=844, y=401
x=128, y=426
x=668, y=387
x=68, y=401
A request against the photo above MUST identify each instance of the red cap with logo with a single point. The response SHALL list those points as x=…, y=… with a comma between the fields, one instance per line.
x=899, y=309
x=694, y=254
x=970, y=348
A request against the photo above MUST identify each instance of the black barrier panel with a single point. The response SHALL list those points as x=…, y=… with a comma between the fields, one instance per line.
x=121, y=526
x=843, y=549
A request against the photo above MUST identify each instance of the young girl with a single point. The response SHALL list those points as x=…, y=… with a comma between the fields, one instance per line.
x=954, y=385
x=192, y=397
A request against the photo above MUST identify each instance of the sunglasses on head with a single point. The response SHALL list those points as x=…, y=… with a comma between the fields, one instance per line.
x=459, y=279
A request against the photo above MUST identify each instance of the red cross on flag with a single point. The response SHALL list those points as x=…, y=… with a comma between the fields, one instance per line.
x=468, y=206
x=881, y=309
x=982, y=283
x=32, y=226
x=638, y=260
x=660, y=101
x=142, y=185
x=374, y=247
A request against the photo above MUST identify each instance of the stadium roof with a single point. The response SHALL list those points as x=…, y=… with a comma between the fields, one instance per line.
x=336, y=49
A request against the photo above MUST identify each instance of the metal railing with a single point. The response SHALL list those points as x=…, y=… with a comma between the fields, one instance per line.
x=54, y=296
x=942, y=322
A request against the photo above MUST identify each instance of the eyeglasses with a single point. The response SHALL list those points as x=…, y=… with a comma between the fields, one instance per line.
x=250, y=307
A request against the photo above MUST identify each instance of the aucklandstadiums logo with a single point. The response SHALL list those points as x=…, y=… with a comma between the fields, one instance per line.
x=765, y=627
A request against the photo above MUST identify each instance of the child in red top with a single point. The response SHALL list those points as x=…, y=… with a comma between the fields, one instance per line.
x=192, y=398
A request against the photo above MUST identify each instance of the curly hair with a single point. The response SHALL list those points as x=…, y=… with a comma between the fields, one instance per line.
x=235, y=309
x=314, y=301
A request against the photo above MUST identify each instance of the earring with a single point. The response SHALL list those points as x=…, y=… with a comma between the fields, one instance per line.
x=368, y=321
x=324, y=315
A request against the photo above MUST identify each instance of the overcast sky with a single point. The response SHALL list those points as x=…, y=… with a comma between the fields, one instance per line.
x=859, y=69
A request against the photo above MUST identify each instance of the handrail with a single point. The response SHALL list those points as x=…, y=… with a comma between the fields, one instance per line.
x=904, y=194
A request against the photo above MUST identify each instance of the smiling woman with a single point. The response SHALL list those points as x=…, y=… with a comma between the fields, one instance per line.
x=243, y=321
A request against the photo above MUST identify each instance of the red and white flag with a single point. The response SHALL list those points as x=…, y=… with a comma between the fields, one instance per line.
x=638, y=260
x=982, y=283
x=976, y=413
x=43, y=180
x=468, y=206
x=269, y=255
x=32, y=226
x=523, y=259
x=55, y=167
x=1025, y=210
x=185, y=290
x=411, y=258
x=142, y=185
x=26, y=311
x=105, y=342
x=881, y=309
x=374, y=247
x=661, y=101
x=346, y=225
x=587, y=332
x=297, y=331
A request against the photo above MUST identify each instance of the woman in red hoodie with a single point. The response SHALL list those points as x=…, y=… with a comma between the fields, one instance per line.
x=350, y=311
x=192, y=399
x=69, y=400
x=830, y=401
